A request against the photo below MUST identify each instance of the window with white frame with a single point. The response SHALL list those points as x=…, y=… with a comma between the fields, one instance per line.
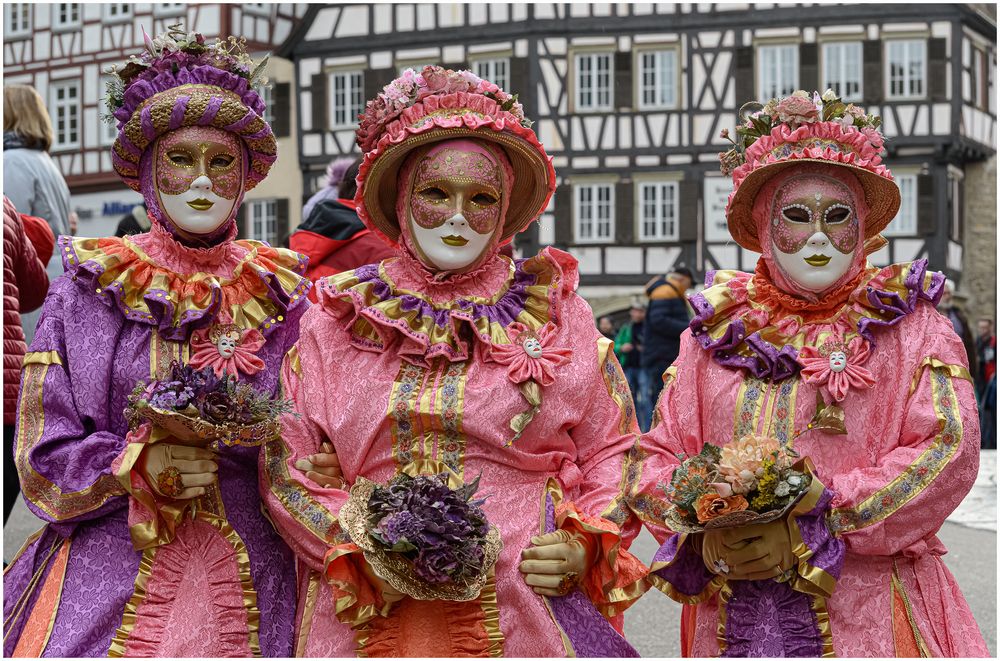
x=18, y=20
x=65, y=111
x=65, y=15
x=658, y=79
x=593, y=81
x=907, y=62
x=262, y=220
x=267, y=96
x=258, y=8
x=346, y=98
x=980, y=80
x=494, y=69
x=905, y=222
x=117, y=11
x=168, y=8
x=108, y=131
x=777, y=70
x=594, y=212
x=658, y=211
x=842, y=69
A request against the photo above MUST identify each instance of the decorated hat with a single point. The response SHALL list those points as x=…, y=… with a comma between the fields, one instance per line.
x=440, y=104
x=179, y=81
x=803, y=129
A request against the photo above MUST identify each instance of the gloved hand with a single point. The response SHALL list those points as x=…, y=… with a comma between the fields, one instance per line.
x=750, y=553
x=556, y=562
x=389, y=594
x=323, y=468
x=179, y=472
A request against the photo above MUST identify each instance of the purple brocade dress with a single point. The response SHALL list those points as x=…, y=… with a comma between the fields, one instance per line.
x=225, y=584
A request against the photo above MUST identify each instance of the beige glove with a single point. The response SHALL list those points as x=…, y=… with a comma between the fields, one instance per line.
x=323, y=468
x=555, y=562
x=195, y=469
x=389, y=594
x=751, y=553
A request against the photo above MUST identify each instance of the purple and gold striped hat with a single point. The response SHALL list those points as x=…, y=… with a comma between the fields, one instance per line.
x=178, y=81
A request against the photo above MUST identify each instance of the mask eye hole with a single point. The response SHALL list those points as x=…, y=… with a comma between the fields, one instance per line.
x=180, y=158
x=837, y=214
x=483, y=199
x=433, y=194
x=796, y=215
x=222, y=162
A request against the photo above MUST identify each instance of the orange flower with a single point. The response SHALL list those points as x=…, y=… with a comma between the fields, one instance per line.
x=712, y=505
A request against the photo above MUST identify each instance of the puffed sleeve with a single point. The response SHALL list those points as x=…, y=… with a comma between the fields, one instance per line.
x=606, y=440
x=64, y=449
x=305, y=513
x=898, y=504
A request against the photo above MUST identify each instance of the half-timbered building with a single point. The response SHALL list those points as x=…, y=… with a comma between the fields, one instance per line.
x=630, y=100
x=64, y=49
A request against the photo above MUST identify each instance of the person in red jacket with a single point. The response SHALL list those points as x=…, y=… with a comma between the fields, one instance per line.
x=27, y=246
x=334, y=239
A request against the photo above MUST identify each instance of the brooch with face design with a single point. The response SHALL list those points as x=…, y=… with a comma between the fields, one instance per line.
x=836, y=366
x=227, y=348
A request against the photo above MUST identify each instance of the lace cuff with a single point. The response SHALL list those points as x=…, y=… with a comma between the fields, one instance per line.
x=614, y=580
x=356, y=600
x=678, y=571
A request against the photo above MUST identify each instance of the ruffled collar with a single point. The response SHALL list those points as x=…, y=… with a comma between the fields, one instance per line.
x=246, y=282
x=164, y=250
x=423, y=321
x=747, y=323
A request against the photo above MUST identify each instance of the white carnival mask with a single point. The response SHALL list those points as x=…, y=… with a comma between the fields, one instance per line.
x=838, y=361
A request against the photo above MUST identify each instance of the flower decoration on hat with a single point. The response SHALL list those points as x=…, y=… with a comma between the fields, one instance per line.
x=804, y=128
x=178, y=80
x=227, y=348
x=836, y=367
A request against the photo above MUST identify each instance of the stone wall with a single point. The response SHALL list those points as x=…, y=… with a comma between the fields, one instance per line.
x=979, y=272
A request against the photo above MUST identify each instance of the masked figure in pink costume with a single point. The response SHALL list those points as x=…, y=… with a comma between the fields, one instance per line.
x=451, y=357
x=200, y=571
x=852, y=367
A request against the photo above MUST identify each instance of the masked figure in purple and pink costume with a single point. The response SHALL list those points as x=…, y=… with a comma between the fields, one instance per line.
x=201, y=573
x=852, y=367
x=451, y=358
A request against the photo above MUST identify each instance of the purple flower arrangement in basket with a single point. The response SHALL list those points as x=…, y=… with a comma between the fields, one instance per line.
x=440, y=530
x=196, y=405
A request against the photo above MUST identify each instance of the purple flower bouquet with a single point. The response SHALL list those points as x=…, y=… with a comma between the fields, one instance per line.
x=196, y=407
x=425, y=535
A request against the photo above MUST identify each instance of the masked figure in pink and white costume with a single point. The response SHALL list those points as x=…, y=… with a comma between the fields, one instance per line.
x=130, y=564
x=852, y=367
x=452, y=357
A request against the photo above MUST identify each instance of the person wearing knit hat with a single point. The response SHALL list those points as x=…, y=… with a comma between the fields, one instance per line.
x=845, y=365
x=131, y=564
x=453, y=359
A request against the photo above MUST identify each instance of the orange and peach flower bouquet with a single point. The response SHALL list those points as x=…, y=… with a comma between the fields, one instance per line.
x=753, y=480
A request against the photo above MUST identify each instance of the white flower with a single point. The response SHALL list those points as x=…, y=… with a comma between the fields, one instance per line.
x=783, y=489
x=801, y=93
x=829, y=95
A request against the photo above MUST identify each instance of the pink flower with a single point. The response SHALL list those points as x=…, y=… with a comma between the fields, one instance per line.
x=227, y=348
x=796, y=110
x=836, y=368
x=742, y=462
x=531, y=355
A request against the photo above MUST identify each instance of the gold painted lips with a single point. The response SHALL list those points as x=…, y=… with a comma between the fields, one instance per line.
x=817, y=260
x=201, y=204
x=453, y=240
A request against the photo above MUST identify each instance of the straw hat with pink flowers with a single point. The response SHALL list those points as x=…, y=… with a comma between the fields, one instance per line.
x=441, y=104
x=806, y=129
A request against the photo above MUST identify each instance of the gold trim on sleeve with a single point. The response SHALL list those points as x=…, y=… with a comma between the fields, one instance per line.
x=956, y=371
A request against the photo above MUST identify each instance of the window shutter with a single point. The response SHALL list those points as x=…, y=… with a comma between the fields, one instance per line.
x=871, y=54
x=320, y=115
x=809, y=68
x=284, y=222
x=241, y=221
x=623, y=80
x=564, y=215
x=687, y=227
x=745, y=75
x=624, y=218
x=282, y=110
x=375, y=80
x=937, y=62
x=926, y=220
x=520, y=84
